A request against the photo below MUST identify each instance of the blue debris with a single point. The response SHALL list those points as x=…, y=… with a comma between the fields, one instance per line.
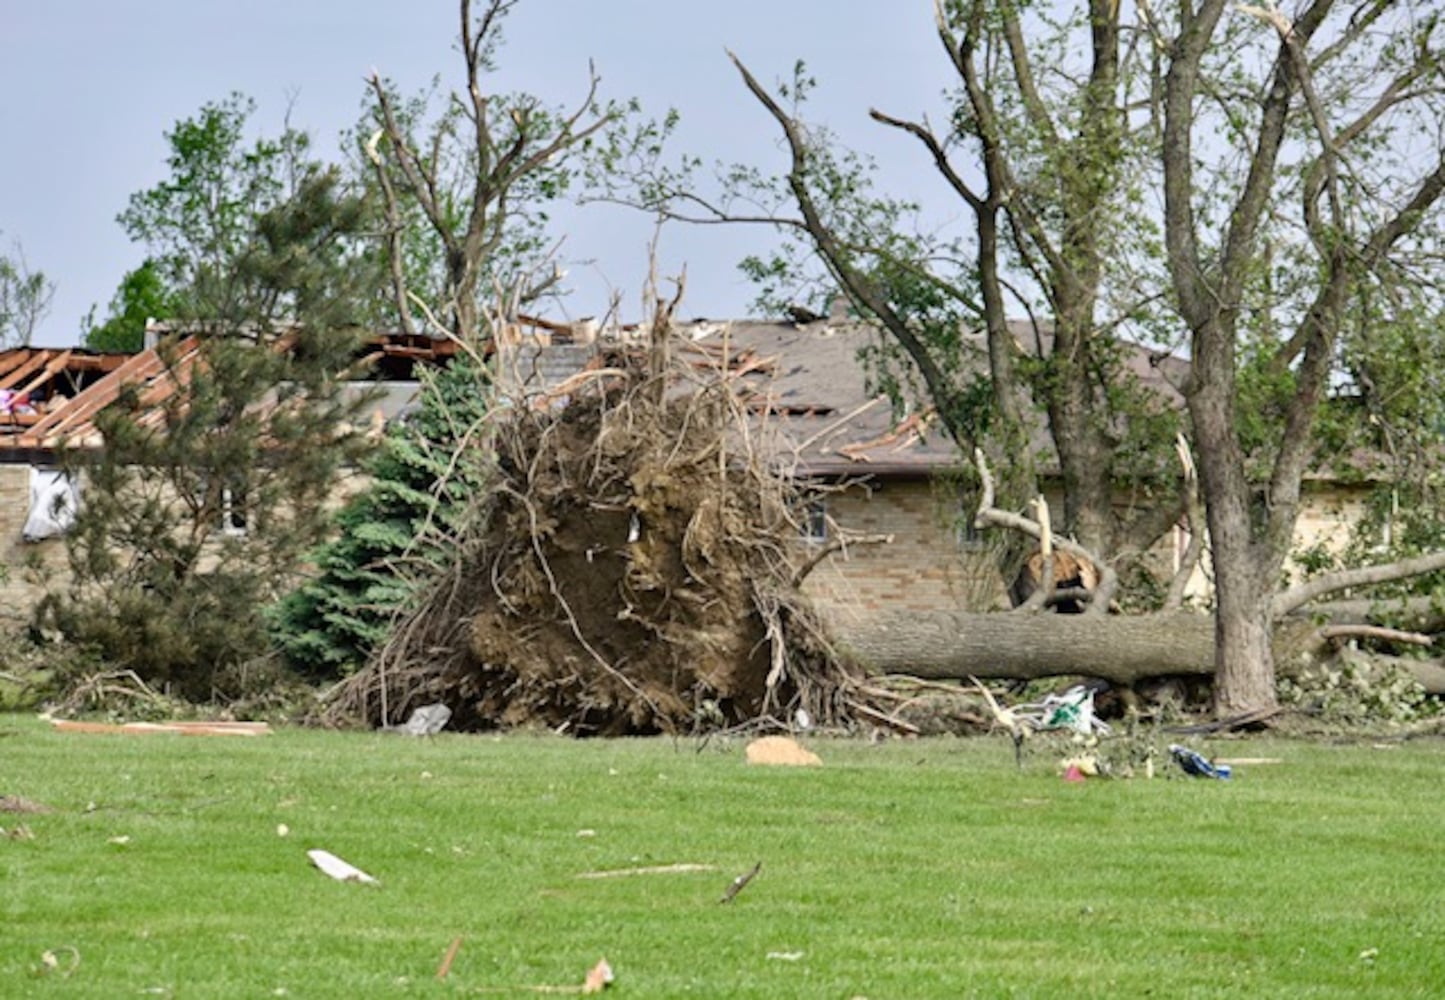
x=1197, y=765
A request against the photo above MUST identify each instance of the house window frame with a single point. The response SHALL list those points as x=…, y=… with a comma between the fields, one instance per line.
x=814, y=528
x=233, y=514
x=966, y=535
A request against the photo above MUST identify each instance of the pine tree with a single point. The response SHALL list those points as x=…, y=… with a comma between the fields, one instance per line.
x=199, y=507
x=393, y=535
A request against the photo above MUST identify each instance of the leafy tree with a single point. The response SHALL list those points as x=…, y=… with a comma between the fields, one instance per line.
x=25, y=297
x=1211, y=169
x=1046, y=171
x=462, y=195
x=391, y=536
x=198, y=223
x=142, y=296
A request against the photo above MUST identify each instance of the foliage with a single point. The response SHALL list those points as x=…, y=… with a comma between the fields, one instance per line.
x=391, y=536
x=142, y=296
x=199, y=505
x=201, y=220
x=25, y=297
x=1393, y=434
x=1045, y=170
x=1302, y=219
x=1358, y=691
x=1175, y=887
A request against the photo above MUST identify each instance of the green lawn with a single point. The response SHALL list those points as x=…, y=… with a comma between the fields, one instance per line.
x=907, y=869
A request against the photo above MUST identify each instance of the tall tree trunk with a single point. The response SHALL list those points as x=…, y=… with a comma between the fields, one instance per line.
x=1244, y=568
x=1244, y=668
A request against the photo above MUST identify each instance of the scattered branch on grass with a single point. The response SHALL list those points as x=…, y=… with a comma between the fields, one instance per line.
x=114, y=690
x=446, y=967
x=740, y=883
x=883, y=718
x=677, y=869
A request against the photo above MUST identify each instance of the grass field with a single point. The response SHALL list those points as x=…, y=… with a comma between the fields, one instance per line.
x=906, y=869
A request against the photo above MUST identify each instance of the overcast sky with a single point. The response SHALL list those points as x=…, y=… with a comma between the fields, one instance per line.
x=91, y=87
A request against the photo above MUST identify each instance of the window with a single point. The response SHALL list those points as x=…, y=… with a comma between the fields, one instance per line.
x=966, y=534
x=815, y=522
x=233, y=513
x=227, y=510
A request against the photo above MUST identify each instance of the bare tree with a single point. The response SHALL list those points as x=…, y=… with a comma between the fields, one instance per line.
x=1045, y=169
x=25, y=298
x=1314, y=150
x=503, y=149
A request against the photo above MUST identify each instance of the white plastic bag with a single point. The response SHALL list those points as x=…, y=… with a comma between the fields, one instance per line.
x=54, y=499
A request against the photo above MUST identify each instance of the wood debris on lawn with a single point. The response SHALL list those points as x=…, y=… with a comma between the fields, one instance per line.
x=599, y=977
x=20, y=804
x=216, y=728
x=450, y=957
x=781, y=751
x=649, y=870
x=342, y=871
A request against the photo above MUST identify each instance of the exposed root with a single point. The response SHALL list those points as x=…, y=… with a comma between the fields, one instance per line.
x=633, y=570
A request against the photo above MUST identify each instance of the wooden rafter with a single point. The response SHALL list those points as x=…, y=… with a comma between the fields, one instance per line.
x=27, y=367
x=68, y=419
x=57, y=363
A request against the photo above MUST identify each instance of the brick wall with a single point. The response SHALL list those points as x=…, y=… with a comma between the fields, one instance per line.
x=927, y=566
x=31, y=568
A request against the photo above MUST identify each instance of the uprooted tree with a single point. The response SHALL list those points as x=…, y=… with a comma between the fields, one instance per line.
x=626, y=567
x=630, y=571
x=1127, y=649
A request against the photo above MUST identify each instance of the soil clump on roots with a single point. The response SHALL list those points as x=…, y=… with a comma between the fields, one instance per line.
x=632, y=571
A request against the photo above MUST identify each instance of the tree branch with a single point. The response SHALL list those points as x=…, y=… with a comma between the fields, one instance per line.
x=1287, y=600
x=990, y=516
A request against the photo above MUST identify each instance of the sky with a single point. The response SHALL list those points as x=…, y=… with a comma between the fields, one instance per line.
x=90, y=89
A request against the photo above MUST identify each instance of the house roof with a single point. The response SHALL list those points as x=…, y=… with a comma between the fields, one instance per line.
x=814, y=381
x=39, y=384
x=808, y=384
x=49, y=397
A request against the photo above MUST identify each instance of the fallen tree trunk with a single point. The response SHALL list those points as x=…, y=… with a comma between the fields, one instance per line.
x=1121, y=649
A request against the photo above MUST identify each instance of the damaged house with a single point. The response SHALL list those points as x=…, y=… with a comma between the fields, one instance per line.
x=893, y=531
x=49, y=399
